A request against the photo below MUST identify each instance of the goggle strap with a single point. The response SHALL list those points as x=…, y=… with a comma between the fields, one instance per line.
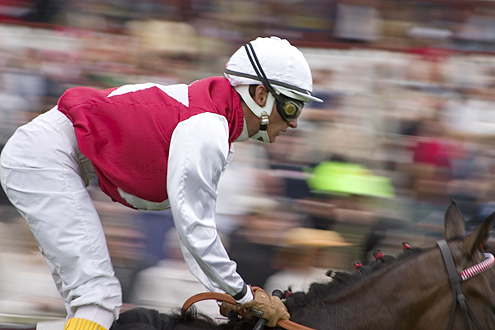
x=259, y=70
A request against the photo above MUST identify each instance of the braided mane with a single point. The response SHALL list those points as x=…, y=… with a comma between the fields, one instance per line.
x=343, y=279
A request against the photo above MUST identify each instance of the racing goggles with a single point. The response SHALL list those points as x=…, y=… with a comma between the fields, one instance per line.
x=288, y=108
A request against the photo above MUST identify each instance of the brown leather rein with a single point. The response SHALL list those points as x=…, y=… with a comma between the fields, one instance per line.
x=286, y=324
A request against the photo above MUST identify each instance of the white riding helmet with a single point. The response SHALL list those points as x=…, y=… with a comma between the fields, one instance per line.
x=279, y=66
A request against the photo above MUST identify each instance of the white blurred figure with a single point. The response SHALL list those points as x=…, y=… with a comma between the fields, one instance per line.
x=369, y=27
x=13, y=113
x=241, y=185
x=24, y=79
x=472, y=112
x=27, y=291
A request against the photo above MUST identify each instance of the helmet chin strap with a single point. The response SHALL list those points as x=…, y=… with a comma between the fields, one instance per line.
x=262, y=136
x=261, y=112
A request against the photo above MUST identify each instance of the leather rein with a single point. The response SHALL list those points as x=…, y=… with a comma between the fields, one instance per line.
x=455, y=282
x=286, y=324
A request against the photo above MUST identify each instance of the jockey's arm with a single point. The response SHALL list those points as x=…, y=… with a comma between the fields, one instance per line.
x=199, y=152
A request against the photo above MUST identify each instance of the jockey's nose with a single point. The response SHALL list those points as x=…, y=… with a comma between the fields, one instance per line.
x=293, y=123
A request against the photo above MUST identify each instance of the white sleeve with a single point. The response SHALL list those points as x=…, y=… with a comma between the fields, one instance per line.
x=199, y=151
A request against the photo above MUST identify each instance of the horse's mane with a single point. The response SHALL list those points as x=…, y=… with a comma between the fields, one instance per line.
x=343, y=279
x=195, y=320
x=151, y=319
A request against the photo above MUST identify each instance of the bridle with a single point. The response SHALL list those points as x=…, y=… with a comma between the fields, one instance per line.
x=455, y=282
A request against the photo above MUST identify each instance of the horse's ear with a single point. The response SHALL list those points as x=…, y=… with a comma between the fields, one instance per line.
x=454, y=222
x=479, y=235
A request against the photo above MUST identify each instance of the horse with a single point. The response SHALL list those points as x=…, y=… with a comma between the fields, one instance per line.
x=411, y=291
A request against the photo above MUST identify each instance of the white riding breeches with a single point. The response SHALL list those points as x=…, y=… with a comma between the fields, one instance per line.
x=45, y=177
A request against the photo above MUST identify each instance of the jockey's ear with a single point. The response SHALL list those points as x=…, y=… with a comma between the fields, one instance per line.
x=479, y=236
x=454, y=222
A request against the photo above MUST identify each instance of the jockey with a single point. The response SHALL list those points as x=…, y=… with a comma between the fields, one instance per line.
x=151, y=147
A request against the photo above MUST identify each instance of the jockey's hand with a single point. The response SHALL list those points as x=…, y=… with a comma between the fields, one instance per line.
x=264, y=305
x=226, y=308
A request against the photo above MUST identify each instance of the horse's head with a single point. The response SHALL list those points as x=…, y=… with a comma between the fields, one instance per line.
x=412, y=291
x=479, y=290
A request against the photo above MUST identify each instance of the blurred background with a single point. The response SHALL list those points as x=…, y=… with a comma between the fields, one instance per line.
x=408, y=124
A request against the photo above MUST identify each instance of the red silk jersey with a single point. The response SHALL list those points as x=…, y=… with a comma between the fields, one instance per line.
x=125, y=132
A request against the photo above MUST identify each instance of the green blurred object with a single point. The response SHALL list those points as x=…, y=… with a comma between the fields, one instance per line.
x=349, y=179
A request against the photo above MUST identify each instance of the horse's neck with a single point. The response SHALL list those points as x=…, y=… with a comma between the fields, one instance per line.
x=381, y=301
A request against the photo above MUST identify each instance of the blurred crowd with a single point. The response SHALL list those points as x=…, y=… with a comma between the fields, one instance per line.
x=408, y=123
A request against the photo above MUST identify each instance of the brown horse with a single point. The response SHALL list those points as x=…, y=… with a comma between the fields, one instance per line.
x=409, y=293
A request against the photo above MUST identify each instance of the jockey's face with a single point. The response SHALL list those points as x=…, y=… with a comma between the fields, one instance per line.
x=278, y=124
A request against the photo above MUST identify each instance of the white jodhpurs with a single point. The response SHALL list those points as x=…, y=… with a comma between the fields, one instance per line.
x=45, y=177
